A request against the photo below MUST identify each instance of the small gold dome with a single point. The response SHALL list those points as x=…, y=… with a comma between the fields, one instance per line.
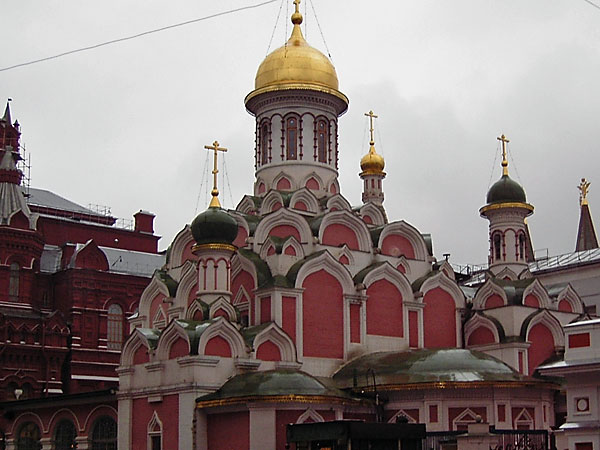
x=296, y=65
x=372, y=163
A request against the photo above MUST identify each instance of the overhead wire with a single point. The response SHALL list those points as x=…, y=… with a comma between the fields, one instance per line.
x=275, y=27
x=320, y=29
x=135, y=36
x=592, y=3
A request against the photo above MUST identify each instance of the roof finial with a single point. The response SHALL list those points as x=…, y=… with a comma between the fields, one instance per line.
x=214, y=203
x=371, y=116
x=583, y=187
x=297, y=16
x=6, y=116
x=504, y=160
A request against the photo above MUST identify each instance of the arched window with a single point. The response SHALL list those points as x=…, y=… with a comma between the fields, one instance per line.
x=28, y=437
x=291, y=138
x=13, y=282
x=264, y=143
x=322, y=140
x=115, y=327
x=497, y=246
x=64, y=436
x=104, y=434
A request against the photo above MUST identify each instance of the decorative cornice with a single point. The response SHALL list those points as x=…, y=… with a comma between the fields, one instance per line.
x=202, y=247
x=292, y=398
x=495, y=206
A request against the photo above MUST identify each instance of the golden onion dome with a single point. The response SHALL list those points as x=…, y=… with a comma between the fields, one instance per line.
x=372, y=163
x=296, y=65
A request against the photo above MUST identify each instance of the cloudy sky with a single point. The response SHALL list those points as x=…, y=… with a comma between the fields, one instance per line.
x=124, y=125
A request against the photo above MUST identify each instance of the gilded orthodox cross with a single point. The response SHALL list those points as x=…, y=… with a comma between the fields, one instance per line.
x=583, y=187
x=297, y=4
x=214, y=203
x=504, y=160
x=371, y=116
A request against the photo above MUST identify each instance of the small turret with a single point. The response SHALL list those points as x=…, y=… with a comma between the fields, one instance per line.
x=372, y=174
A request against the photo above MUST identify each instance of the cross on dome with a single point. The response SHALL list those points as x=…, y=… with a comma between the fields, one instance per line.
x=583, y=187
x=371, y=116
x=504, y=141
x=215, y=147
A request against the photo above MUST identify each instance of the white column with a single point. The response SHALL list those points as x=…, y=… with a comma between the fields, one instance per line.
x=187, y=409
x=201, y=430
x=124, y=418
x=46, y=443
x=262, y=429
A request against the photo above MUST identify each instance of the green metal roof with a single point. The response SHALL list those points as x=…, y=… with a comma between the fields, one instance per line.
x=506, y=190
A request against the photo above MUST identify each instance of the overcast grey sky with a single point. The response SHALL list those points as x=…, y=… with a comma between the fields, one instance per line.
x=124, y=125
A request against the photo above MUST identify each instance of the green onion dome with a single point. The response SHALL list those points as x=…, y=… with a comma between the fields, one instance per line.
x=506, y=190
x=214, y=226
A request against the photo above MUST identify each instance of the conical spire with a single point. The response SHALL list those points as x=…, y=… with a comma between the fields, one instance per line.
x=586, y=234
x=6, y=118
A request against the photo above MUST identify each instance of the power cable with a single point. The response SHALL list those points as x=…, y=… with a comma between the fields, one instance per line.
x=135, y=36
x=592, y=3
x=320, y=29
x=275, y=27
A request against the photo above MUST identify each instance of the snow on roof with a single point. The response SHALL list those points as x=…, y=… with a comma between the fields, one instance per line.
x=42, y=197
x=133, y=263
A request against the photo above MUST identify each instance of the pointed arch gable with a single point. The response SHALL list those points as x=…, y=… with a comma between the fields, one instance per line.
x=345, y=256
x=90, y=256
x=481, y=322
x=537, y=290
x=488, y=289
x=222, y=304
x=278, y=337
x=338, y=203
x=170, y=335
x=159, y=320
x=136, y=340
x=313, y=182
x=225, y=330
x=283, y=182
x=346, y=219
x=181, y=248
x=387, y=272
x=246, y=205
x=377, y=216
x=270, y=202
x=329, y=264
x=569, y=295
x=155, y=425
x=310, y=415
x=440, y=280
x=334, y=186
x=546, y=318
x=155, y=288
x=281, y=217
x=187, y=284
x=305, y=196
x=404, y=230
x=448, y=270
x=293, y=244
x=507, y=274
x=403, y=265
x=402, y=413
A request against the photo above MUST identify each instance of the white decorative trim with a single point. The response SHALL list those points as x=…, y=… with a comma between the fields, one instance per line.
x=282, y=216
x=402, y=413
x=187, y=281
x=448, y=270
x=167, y=338
x=402, y=261
x=292, y=242
x=155, y=288
x=288, y=177
x=183, y=240
x=546, y=318
x=345, y=251
x=477, y=321
x=311, y=414
x=194, y=307
x=159, y=320
x=377, y=217
x=270, y=200
x=488, y=289
x=568, y=294
x=308, y=198
x=507, y=273
x=408, y=232
x=242, y=297
x=468, y=412
x=223, y=303
x=154, y=420
x=537, y=290
x=330, y=265
x=227, y=331
x=440, y=280
x=317, y=178
x=247, y=205
x=338, y=202
x=389, y=273
x=277, y=336
x=347, y=219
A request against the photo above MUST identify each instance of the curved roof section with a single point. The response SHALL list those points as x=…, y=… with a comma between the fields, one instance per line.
x=506, y=190
x=289, y=383
x=426, y=366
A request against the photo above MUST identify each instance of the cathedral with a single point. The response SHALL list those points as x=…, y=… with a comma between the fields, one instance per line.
x=294, y=307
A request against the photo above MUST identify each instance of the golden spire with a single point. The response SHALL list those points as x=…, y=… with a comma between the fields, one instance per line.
x=372, y=163
x=214, y=203
x=583, y=187
x=504, y=160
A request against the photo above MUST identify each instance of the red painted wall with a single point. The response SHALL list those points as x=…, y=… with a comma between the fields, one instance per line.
x=283, y=231
x=265, y=309
x=312, y=184
x=229, y=431
x=322, y=310
x=179, y=348
x=384, y=310
x=396, y=245
x=268, y=352
x=453, y=413
x=565, y=306
x=218, y=346
x=337, y=235
x=481, y=336
x=288, y=312
x=542, y=346
x=240, y=239
x=439, y=317
x=300, y=206
x=141, y=355
x=413, y=329
x=355, y=323
x=532, y=300
x=579, y=340
x=243, y=278
x=168, y=413
x=493, y=301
